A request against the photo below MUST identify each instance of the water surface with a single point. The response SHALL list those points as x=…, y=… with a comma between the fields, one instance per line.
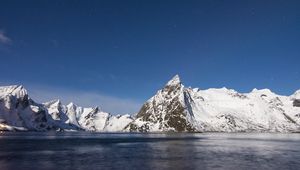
x=78, y=150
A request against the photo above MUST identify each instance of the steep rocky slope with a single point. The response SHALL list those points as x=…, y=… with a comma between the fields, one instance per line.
x=168, y=110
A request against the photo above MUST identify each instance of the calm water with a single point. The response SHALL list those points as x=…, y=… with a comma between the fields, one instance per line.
x=86, y=151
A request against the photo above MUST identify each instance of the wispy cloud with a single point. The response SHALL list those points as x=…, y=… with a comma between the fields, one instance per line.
x=4, y=39
x=114, y=105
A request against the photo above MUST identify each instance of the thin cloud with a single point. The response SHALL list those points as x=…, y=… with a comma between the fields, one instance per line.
x=114, y=105
x=4, y=39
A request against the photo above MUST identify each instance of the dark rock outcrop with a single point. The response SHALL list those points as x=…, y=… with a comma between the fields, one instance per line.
x=296, y=103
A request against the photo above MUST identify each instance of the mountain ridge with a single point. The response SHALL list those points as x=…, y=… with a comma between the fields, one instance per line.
x=173, y=108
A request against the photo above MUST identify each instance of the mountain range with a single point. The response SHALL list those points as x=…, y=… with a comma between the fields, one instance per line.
x=174, y=108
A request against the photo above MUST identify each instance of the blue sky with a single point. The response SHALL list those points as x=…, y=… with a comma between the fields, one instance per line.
x=109, y=52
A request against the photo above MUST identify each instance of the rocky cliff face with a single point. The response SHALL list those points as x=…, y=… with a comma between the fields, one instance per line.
x=166, y=111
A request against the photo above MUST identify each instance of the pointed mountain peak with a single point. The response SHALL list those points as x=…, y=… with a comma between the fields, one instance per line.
x=71, y=105
x=174, y=81
x=53, y=102
x=173, y=86
x=16, y=90
x=56, y=101
x=96, y=109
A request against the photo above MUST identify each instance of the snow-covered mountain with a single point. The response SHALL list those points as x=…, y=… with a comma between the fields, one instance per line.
x=177, y=108
x=173, y=108
x=19, y=112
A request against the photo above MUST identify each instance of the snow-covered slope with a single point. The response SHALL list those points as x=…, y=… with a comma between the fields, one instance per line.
x=19, y=112
x=88, y=119
x=177, y=108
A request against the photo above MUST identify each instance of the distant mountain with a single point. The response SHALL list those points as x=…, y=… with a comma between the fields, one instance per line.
x=173, y=108
x=19, y=112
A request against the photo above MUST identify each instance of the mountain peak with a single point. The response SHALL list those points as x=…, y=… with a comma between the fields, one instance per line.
x=53, y=102
x=15, y=90
x=296, y=94
x=174, y=81
x=71, y=104
x=262, y=91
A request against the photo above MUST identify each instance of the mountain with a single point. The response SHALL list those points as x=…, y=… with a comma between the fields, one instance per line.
x=19, y=112
x=174, y=108
x=180, y=109
x=88, y=119
x=168, y=110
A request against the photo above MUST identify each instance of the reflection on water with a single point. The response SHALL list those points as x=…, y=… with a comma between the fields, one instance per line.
x=66, y=150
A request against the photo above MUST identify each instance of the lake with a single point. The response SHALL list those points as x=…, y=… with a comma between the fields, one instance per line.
x=87, y=151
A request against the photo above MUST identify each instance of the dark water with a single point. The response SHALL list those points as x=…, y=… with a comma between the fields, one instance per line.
x=86, y=151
